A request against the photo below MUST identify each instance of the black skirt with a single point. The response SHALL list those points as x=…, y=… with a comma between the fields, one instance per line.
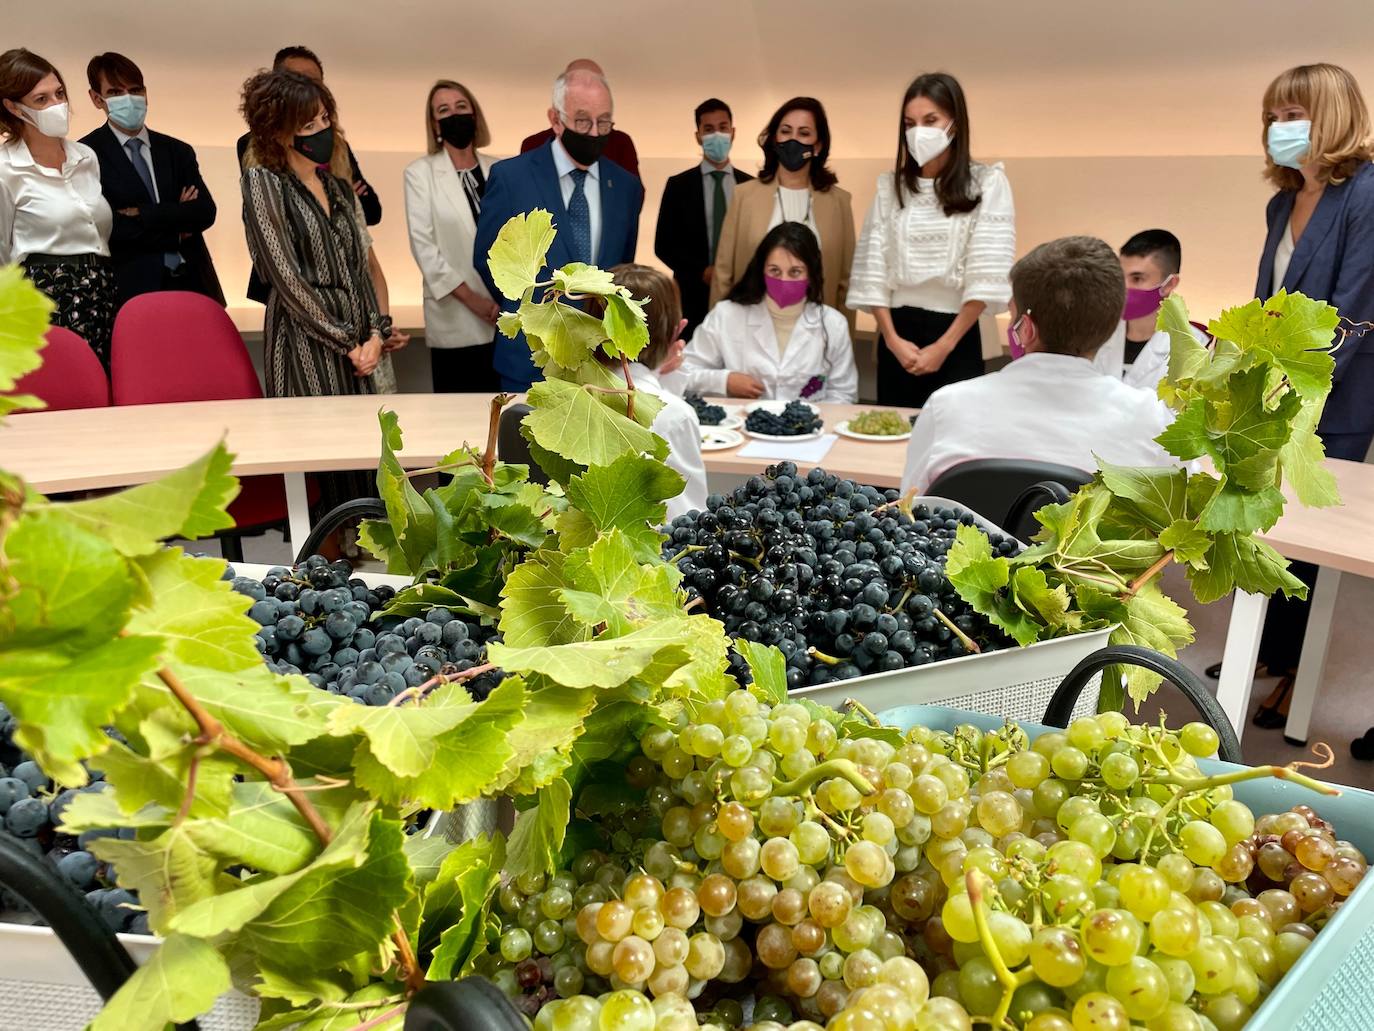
x=898, y=387
x=82, y=290
x=464, y=370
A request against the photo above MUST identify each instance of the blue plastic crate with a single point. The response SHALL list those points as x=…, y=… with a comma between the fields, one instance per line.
x=1331, y=988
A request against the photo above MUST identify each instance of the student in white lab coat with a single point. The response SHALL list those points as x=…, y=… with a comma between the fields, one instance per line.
x=676, y=422
x=774, y=338
x=443, y=192
x=1050, y=405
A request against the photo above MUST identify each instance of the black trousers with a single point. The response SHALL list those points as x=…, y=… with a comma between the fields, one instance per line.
x=464, y=370
x=1286, y=620
x=898, y=387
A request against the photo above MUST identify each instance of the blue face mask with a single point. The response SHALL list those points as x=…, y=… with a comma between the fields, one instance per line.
x=716, y=146
x=1289, y=142
x=127, y=111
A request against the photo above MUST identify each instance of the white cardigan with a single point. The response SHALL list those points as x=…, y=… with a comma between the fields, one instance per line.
x=740, y=338
x=442, y=230
x=914, y=255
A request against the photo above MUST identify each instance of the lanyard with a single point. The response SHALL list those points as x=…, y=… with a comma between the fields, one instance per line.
x=782, y=212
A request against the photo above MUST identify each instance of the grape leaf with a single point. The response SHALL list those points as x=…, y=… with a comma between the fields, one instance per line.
x=190, y=503
x=628, y=495
x=1159, y=495
x=1253, y=427
x=1295, y=331
x=339, y=1010
x=972, y=568
x=1303, y=457
x=1188, y=543
x=518, y=253
x=23, y=320
x=1148, y=619
x=266, y=711
x=180, y=981
x=1239, y=561
x=170, y=872
x=543, y=740
x=455, y=904
x=418, y=599
x=199, y=616
x=264, y=831
x=404, y=738
x=139, y=780
x=567, y=333
x=412, y=521
x=1186, y=437
x=531, y=610
x=603, y=662
x=1187, y=355
x=508, y=323
x=611, y=586
x=768, y=668
x=1235, y=510
x=705, y=674
x=569, y=420
x=516, y=518
x=581, y=278
x=625, y=328
x=538, y=836
x=1049, y=605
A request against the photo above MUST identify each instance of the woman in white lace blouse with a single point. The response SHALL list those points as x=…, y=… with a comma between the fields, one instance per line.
x=935, y=250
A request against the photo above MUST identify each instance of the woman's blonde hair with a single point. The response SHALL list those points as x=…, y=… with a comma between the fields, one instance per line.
x=1342, y=137
x=432, y=141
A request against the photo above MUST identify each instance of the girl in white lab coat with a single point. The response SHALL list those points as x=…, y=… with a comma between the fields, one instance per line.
x=676, y=422
x=775, y=338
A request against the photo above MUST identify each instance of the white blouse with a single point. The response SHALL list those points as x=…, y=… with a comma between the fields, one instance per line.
x=1283, y=257
x=794, y=206
x=914, y=255
x=676, y=422
x=49, y=210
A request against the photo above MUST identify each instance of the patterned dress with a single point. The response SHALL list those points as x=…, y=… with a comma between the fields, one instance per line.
x=322, y=303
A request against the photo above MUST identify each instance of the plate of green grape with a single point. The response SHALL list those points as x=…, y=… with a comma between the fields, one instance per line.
x=877, y=424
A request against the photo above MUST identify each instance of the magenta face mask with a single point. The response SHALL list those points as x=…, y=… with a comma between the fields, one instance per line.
x=1013, y=341
x=1144, y=301
x=785, y=292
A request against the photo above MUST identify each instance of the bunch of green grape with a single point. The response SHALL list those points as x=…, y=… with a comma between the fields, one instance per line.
x=880, y=422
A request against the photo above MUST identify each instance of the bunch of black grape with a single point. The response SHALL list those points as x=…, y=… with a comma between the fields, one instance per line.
x=796, y=420
x=707, y=413
x=30, y=813
x=832, y=573
x=320, y=621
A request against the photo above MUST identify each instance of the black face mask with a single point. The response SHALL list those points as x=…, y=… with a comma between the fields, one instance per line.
x=318, y=146
x=582, y=147
x=458, y=130
x=792, y=154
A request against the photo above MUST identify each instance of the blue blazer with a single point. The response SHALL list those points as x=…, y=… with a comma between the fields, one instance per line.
x=521, y=184
x=1334, y=262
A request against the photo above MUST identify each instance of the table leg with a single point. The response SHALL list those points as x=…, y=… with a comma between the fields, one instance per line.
x=1238, y=658
x=1314, y=645
x=297, y=509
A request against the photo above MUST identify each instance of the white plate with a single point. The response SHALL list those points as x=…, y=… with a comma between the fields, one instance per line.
x=844, y=431
x=732, y=421
x=795, y=439
x=713, y=438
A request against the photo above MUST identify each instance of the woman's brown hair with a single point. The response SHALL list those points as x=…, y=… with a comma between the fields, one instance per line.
x=1342, y=137
x=662, y=308
x=20, y=71
x=432, y=141
x=279, y=103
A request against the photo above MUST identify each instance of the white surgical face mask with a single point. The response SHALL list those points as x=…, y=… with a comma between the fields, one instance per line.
x=53, y=120
x=925, y=143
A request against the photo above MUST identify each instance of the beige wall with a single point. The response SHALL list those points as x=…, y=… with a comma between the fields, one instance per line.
x=1110, y=119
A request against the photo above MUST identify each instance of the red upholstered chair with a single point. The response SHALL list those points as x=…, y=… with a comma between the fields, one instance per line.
x=176, y=345
x=71, y=376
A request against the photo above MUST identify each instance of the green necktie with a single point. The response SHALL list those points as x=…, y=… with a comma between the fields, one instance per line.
x=717, y=211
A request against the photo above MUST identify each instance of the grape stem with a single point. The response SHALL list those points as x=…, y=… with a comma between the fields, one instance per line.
x=863, y=711
x=438, y=680
x=629, y=387
x=192, y=768
x=379, y=1019
x=820, y=656
x=1135, y=585
x=843, y=768
x=837, y=829
x=1010, y=981
x=964, y=639
x=493, y=426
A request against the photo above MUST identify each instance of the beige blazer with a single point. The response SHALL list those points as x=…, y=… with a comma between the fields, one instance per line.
x=746, y=224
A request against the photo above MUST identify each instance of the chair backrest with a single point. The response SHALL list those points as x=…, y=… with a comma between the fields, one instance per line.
x=993, y=487
x=511, y=447
x=71, y=376
x=175, y=345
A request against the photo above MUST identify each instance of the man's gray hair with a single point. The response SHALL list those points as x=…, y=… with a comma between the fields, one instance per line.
x=561, y=84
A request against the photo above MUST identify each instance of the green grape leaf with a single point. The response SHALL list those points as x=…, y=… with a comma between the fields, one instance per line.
x=337, y=1011
x=1295, y=331
x=139, y=780
x=706, y=674
x=1186, y=437
x=425, y=854
x=1160, y=495
x=1258, y=472
x=418, y=599
x=405, y=738
x=377, y=536
x=1253, y=427
x=1148, y=619
x=568, y=334
x=518, y=254
x=170, y=872
x=516, y=518
x=603, y=662
x=1234, y=510
x=972, y=568
x=268, y=712
x=1049, y=605
x=611, y=585
x=1239, y=561
x=629, y=494
x=768, y=668
x=201, y=618
x=1304, y=460
x=23, y=320
x=413, y=521
x=180, y=981
x=624, y=327
x=555, y=467
x=537, y=840
x=1187, y=541
x=587, y=428
x=467, y=759
x=1187, y=355
x=99, y=810
x=581, y=278
x=508, y=323
x=455, y=904
x=543, y=740
x=263, y=830
x=532, y=612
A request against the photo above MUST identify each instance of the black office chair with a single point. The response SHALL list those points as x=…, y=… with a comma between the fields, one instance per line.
x=511, y=445
x=472, y=1004
x=354, y=511
x=1009, y=488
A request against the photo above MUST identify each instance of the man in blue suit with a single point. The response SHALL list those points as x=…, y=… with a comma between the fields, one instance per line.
x=595, y=203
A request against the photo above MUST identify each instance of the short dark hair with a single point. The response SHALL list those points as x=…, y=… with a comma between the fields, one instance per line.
x=821, y=176
x=1074, y=292
x=116, y=69
x=1159, y=244
x=297, y=50
x=714, y=104
x=796, y=239
x=20, y=71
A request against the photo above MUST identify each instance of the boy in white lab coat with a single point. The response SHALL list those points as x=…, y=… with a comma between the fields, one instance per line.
x=1051, y=405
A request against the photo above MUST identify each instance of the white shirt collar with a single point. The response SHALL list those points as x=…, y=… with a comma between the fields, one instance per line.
x=563, y=161
x=1062, y=364
x=21, y=157
x=124, y=137
x=707, y=168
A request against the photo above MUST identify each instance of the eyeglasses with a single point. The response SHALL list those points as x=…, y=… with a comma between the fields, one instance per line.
x=584, y=125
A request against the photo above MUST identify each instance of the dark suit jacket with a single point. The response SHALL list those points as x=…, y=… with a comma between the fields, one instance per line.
x=1334, y=262
x=682, y=242
x=372, y=214
x=139, y=242
x=619, y=148
x=522, y=184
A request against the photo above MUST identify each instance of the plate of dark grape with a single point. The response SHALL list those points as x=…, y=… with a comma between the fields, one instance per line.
x=791, y=421
x=714, y=416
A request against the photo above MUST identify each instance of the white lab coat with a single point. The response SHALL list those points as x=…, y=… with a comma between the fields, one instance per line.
x=676, y=423
x=740, y=338
x=1042, y=407
x=442, y=230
